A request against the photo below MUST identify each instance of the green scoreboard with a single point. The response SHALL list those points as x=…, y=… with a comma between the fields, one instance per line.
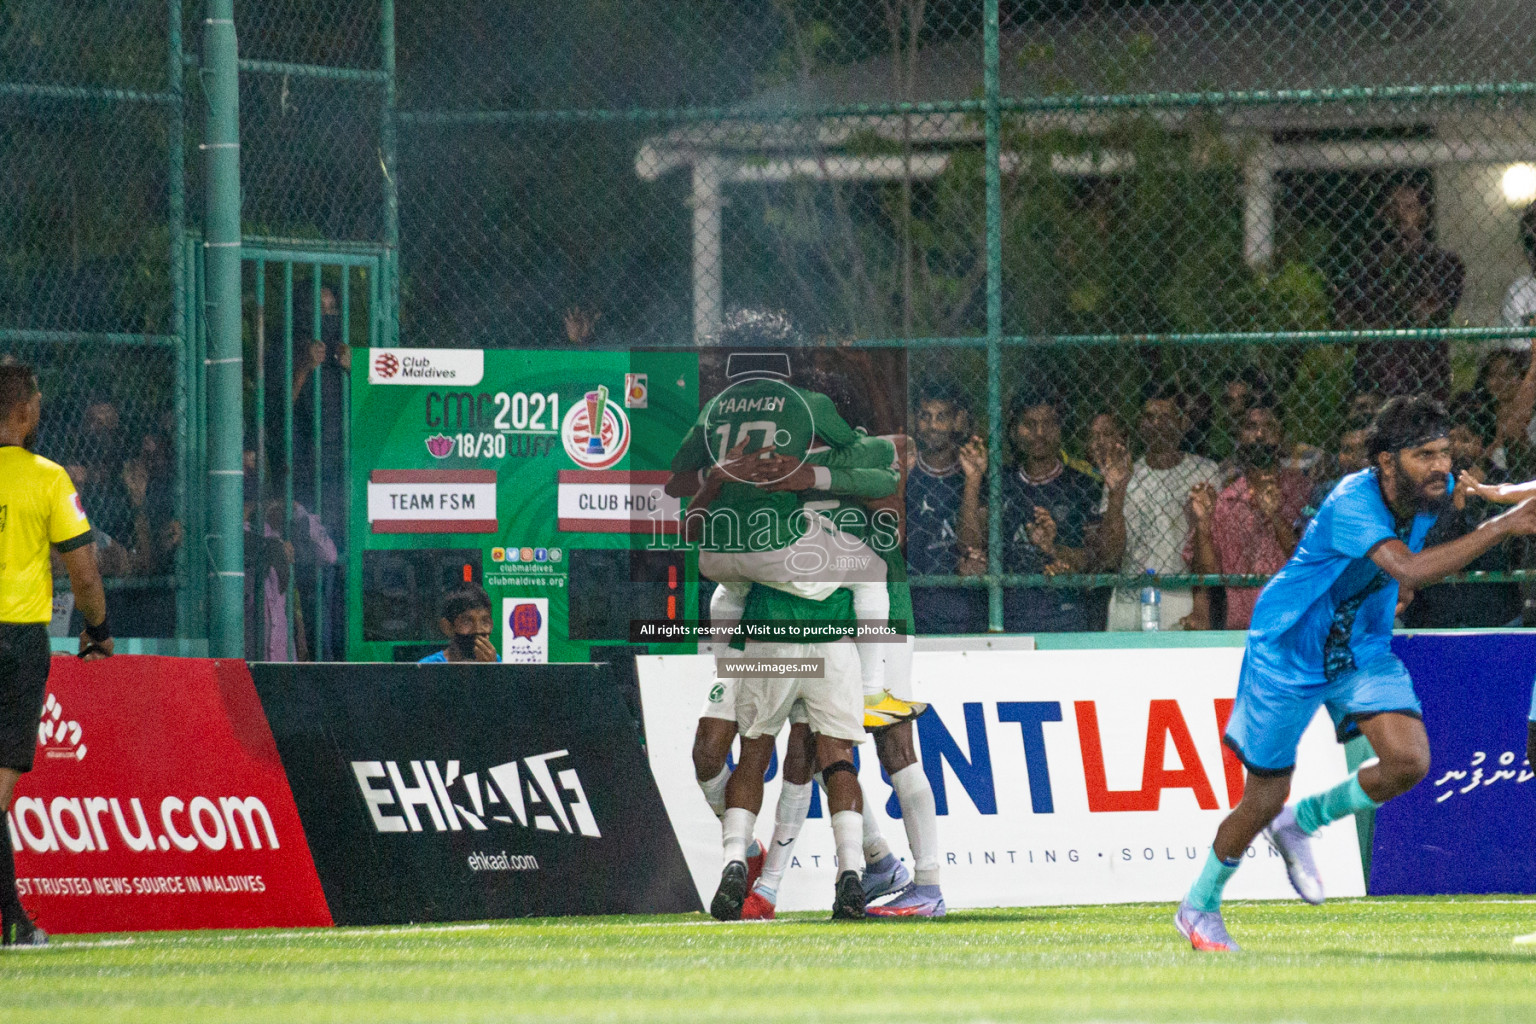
x=539, y=475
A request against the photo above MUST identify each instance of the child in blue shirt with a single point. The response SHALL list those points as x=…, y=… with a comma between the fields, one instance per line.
x=466, y=621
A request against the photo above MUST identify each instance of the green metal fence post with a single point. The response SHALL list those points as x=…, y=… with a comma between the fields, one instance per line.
x=288, y=437
x=221, y=220
x=176, y=214
x=198, y=544
x=258, y=549
x=343, y=546
x=995, y=447
x=318, y=453
x=190, y=621
x=390, y=265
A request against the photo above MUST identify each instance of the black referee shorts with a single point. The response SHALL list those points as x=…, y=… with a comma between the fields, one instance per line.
x=24, y=660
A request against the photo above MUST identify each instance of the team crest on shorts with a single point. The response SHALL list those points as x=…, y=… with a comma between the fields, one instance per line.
x=716, y=692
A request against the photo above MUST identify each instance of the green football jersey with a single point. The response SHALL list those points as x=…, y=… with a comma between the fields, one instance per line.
x=764, y=413
x=768, y=607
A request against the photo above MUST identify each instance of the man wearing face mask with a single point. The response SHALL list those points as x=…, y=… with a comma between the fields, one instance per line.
x=466, y=622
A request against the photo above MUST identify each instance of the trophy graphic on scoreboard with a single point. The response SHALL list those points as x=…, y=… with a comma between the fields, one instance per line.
x=597, y=404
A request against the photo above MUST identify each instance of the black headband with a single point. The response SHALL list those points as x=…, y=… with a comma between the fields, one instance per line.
x=1397, y=444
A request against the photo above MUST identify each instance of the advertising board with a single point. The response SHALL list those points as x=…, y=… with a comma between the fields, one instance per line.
x=158, y=802
x=1470, y=826
x=466, y=792
x=1060, y=777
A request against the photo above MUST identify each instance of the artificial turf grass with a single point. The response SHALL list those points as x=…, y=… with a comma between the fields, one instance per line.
x=1394, y=961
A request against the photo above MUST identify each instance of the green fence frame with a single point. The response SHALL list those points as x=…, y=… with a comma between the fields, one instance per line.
x=371, y=261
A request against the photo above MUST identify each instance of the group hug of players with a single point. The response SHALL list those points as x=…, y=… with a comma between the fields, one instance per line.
x=771, y=452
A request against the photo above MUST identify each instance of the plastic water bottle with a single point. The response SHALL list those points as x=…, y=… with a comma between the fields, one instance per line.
x=1151, y=605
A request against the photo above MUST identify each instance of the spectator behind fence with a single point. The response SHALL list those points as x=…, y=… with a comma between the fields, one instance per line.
x=1051, y=519
x=1404, y=281
x=1262, y=425
x=1249, y=529
x=1352, y=457
x=327, y=361
x=1520, y=301
x=157, y=536
x=1508, y=377
x=272, y=559
x=100, y=461
x=1154, y=524
x=1240, y=391
x=1469, y=605
x=1110, y=456
x=946, y=530
x=466, y=621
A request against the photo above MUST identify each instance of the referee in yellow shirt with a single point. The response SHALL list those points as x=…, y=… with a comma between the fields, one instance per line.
x=38, y=507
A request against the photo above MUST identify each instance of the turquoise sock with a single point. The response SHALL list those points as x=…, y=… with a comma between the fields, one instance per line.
x=1205, y=894
x=1330, y=805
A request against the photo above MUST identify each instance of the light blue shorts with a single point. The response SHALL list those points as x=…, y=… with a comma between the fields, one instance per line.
x=1271, y=713
x=1533, y=702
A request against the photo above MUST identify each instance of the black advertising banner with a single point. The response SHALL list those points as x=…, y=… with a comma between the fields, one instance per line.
x=463, y=792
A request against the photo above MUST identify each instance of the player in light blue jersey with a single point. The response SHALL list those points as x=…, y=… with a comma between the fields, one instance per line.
x=1321, y=636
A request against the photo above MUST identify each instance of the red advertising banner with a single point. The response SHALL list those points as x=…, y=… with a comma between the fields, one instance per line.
x=158, y=802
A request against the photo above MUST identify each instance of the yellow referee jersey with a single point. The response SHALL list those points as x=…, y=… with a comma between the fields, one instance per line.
x=38, y=507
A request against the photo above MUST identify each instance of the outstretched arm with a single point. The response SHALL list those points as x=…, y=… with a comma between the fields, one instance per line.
x=1502, y=494
x=1416, y=571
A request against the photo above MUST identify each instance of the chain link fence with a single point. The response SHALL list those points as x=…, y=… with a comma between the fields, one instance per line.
x=90, y=132
x=1137, y=250
x=1202, y=237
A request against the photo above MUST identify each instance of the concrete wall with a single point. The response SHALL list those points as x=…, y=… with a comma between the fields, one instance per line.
x=1473, y=218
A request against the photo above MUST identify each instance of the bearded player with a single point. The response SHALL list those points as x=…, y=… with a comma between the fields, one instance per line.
x=1321, y=636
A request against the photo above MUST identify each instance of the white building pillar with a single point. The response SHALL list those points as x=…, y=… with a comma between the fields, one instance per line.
x=1259, y=204
x=708, y=202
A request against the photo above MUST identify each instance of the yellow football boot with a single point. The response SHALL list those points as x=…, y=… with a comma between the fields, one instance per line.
x=882, y=710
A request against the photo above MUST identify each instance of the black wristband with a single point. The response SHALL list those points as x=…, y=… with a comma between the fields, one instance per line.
x=101, y=632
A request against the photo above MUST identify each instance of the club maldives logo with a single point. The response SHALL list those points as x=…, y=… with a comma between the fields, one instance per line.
x=385, y=365
x=440, y=446
x=597, y=448
x=59, y=737
x=457, y=366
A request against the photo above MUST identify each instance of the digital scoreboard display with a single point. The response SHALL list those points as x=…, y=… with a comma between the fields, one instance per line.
x=539, y=475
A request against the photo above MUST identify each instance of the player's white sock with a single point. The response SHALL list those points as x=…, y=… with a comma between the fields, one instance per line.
x=846, y=833
x=736, y=827
x=898, y=665
x=876, y=848
x=871, y=603
x=794, y=805
x=920, y=817
x=714, y=791
x=725, y=609
x=871, y=840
